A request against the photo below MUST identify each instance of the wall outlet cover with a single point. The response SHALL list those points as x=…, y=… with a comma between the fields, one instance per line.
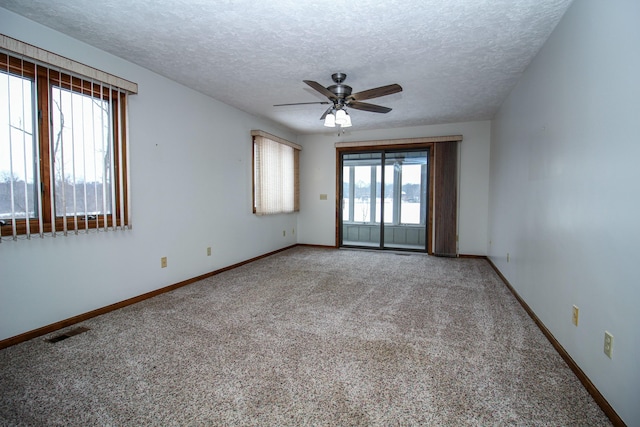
x=608, y=344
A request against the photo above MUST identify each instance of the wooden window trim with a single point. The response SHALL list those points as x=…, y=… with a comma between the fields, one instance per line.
x=45, y=78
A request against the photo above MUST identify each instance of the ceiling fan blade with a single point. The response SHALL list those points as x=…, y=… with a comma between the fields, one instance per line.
x=302, y=103
x=326, y=112
x=318, y=87
x=368, y=107
x=376, y=92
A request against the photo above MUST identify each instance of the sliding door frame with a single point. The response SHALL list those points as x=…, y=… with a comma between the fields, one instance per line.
x=426, y=143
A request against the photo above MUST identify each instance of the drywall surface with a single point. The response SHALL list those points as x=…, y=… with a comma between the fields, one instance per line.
x=565, y=192
x=190, y=166
x=317, y=219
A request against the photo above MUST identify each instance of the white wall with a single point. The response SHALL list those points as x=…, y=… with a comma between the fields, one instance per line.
x=565, y=192
x=190, y=187
x=318, y=163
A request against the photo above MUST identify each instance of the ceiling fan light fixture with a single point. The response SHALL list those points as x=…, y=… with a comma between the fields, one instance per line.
x=347, y=121
x=341, y=117
x=330, y=120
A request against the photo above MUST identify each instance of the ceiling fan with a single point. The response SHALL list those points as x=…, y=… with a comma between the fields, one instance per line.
x=340, y=97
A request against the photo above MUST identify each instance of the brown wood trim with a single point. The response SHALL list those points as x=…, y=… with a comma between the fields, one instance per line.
x=46, y=79
x=429, y=146
x=432, y=197
x=8, y=342
x=386, y=147
x=471, y=256
x=396, y=142
x=584, y=379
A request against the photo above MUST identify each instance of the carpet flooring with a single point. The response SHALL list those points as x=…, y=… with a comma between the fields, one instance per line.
x=308, y=336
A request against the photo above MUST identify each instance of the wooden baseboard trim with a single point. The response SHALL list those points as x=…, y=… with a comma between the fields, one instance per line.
x=8, y=342
x=584, y=379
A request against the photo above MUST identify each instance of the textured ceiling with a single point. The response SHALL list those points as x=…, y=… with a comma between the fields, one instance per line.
x=456, y=59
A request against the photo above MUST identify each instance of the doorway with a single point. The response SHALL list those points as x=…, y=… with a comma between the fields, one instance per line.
x=385, y=198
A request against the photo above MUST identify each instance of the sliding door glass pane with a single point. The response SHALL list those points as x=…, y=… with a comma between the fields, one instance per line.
x=387, y=200
x=414, y=180
x=347, y=197
x=405, y=200
x=360, y=200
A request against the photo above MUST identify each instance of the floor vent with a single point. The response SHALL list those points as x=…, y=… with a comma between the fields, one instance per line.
x=68, y=334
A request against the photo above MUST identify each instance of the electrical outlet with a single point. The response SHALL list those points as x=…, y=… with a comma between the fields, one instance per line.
x=293, y=231
x=575, y=315
x=323, y=197
x=608, y=344
x=508, y=257
x=163, y=262
x=209, y=251
x=284, y=233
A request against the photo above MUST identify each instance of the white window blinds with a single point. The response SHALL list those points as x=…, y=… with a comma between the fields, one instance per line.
x=276, y=174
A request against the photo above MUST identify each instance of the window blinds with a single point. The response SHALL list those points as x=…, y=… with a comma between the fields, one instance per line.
x=276, y=174
x=64, y=152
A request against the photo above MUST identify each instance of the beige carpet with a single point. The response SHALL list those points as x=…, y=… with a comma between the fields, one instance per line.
x=306, y=337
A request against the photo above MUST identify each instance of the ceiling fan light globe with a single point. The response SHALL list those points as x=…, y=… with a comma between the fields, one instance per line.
x=347, y=122
x=341, y=117
x=330, y=120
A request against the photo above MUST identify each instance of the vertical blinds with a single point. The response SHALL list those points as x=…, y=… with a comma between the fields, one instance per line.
x=63, y=151
x=276, y=174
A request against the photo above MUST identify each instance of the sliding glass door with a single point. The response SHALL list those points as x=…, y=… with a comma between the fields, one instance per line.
x=361, y=199
x=405, y=226
x=384, y=207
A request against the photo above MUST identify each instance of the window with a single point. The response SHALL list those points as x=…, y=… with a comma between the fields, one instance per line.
x=405, y=182
x=62, y=151
x=275, y=174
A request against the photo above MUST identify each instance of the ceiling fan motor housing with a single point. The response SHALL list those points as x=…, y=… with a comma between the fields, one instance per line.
x=339, y=90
